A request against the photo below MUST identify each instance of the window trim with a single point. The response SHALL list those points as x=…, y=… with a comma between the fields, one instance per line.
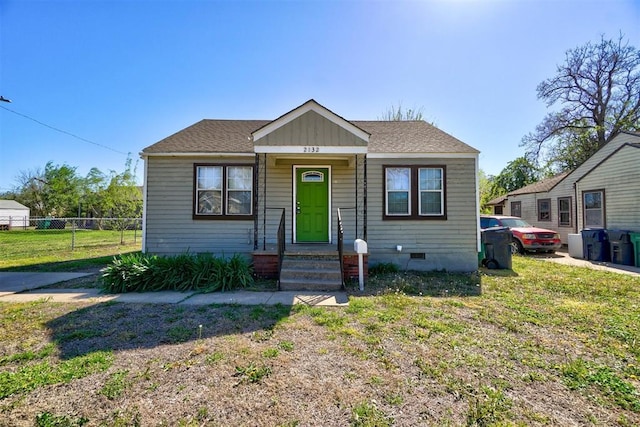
x=538, y=203
x=225, y=191
x=603, y=209
x=414, y=194
x=570, y=212
x=517, y=203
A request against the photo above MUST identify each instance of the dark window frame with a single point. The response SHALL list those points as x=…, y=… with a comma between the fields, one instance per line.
x=602, y=208
x=414, y=194
x=570, y=212
x=544, y=216
x=225, y=191
x=519, y=205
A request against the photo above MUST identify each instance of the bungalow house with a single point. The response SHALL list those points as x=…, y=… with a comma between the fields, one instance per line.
x=311, y=180
x=600, y=193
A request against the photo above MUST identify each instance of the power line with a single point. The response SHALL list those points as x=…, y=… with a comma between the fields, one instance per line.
x=63, y=131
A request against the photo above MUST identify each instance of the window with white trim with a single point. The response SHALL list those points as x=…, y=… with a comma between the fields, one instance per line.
x=414, y=192
x=398, y=186
x=544, y=209
x=593, y=206
x=431, y=190
x=564, y=211
x=223, y=191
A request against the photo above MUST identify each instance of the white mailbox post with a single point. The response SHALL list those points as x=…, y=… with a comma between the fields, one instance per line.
x=360, y=247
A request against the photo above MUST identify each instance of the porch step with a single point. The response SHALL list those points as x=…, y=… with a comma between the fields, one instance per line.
x=310, y=273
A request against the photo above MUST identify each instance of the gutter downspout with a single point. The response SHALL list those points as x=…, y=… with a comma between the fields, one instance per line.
x=477, y=170
x=145, y=159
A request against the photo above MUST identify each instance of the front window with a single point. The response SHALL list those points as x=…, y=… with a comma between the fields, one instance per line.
x=414, y=192
x=593, y=208
x=544, y=210
x=223, y=191
x=398, y=182
x=431, y=191
x=564, y=211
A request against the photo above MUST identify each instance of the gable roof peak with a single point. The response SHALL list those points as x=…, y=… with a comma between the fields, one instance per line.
x=310, y=105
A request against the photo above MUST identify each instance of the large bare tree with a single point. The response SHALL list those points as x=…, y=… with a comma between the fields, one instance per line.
x=597, y=90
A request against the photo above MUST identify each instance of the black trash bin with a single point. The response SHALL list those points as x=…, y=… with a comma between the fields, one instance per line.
x=497, y=247
x=595, y=245
x=621, y=247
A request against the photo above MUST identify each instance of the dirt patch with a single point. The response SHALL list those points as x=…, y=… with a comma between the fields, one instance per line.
x=90, y=281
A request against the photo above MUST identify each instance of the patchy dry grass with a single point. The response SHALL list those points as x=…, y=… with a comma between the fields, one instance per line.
x=544, y=344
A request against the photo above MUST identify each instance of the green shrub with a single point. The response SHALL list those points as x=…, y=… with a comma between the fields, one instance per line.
x=185, y=272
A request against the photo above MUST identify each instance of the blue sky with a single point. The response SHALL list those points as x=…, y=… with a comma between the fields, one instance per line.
x=125, y=74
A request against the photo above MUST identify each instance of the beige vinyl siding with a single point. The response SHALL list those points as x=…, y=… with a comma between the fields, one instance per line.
x=448, y=244
x=619, y=177
x=311, y=129
x=170, y=227
x=529, y=203
x=279, y=194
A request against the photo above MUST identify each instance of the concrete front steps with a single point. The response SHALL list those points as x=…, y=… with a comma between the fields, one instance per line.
x=310, y=272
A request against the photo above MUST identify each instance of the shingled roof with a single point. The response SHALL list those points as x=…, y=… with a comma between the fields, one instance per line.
x=234, y=136
x=541, y=186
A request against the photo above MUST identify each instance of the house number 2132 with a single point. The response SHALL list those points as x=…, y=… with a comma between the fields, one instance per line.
x=310, y=149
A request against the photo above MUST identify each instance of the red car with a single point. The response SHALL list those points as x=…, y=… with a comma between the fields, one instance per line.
x=525, y=236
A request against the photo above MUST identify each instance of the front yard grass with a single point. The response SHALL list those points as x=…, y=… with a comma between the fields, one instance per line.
x=544, y=344
x=51, y=250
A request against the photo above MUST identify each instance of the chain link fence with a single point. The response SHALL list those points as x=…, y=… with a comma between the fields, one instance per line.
x=74, y=232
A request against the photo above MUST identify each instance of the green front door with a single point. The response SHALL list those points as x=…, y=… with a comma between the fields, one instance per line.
x=312, y=205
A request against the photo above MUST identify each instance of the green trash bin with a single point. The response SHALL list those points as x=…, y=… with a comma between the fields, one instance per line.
x=635, y=240
x=481, y=255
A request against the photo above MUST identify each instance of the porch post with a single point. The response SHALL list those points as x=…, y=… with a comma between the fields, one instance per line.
x=256, y=180
x=365, y=199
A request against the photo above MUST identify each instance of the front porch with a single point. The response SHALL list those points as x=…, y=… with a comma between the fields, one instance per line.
x=308, y=266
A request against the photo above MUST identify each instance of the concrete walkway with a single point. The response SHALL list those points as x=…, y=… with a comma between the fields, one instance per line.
x=25, y=287
x=562, y=257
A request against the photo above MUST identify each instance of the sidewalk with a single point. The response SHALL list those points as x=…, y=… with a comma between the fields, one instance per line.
x=26, y=287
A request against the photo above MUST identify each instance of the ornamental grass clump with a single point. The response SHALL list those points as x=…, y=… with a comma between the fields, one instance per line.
x=185, y=272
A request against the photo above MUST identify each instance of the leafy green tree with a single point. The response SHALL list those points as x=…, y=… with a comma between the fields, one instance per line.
x=488, y=190
x=122, y=199
x=516, y=174
x=29, y=191
x=61, y=190
x=597, y=90
x=50, y=192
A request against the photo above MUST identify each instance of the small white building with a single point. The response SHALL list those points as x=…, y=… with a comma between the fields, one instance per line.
x=13, y=214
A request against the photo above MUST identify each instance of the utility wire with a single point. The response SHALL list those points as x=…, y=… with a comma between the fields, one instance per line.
x=63, y=131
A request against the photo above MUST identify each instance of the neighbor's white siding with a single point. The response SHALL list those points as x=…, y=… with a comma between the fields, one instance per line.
x=449, y=244
x=619, y=177
x=14, y=217
x=566, y=188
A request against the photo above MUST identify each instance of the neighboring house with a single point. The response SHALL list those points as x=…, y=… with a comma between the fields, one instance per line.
x=609, y=193
x=497, y=205
x=224, y=186
x=534, y=204
x=13, y=214
x=607, y=181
